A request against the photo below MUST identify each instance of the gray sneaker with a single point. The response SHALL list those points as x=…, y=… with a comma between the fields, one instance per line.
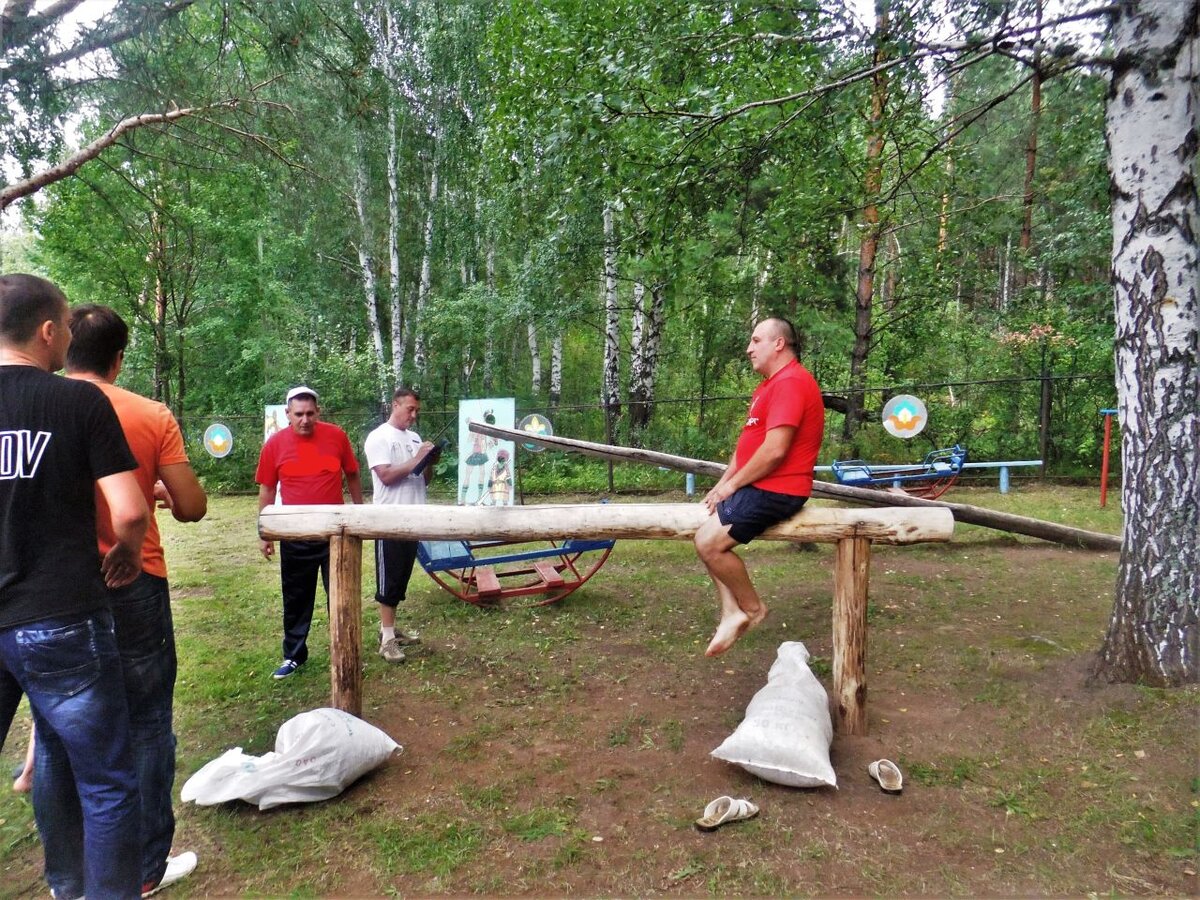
x=390, y=650
x=407, y=639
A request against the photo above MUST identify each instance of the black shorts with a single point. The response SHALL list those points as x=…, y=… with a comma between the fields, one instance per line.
x=393, y=569
x=751, y=511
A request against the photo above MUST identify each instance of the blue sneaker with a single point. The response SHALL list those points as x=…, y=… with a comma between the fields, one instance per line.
x=288, y=668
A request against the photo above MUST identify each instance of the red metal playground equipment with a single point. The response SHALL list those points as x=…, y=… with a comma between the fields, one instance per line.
x=488, y=573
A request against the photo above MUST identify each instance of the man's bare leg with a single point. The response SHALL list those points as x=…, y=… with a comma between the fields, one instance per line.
x=741, y=607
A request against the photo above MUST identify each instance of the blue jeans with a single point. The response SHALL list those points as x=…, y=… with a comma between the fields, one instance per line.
x=146, y=644
x=69, y=668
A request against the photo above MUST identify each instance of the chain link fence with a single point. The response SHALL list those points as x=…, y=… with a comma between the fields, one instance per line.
x=999, y=419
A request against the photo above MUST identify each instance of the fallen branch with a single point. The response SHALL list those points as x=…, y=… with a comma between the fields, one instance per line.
x=963, y=512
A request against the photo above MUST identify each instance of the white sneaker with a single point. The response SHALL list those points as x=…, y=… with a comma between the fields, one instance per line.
x=390, y=650
x=178, y=868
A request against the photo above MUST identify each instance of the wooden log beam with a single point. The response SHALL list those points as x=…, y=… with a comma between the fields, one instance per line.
x=345, y=623
x=663, y=521
x=963, y=512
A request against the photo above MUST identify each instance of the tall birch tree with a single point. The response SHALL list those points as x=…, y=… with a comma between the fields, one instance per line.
x=1153, y=130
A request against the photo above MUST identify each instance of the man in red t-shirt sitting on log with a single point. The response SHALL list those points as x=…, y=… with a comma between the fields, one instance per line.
x=769, y=477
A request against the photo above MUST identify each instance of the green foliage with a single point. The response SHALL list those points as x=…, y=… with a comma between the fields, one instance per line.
x=737, y=187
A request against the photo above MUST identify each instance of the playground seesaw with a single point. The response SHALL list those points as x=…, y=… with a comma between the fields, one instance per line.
x=488, y=573
x=930, y=479
x=851, y=530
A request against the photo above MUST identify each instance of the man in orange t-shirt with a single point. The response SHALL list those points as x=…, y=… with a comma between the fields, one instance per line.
x=141, y=617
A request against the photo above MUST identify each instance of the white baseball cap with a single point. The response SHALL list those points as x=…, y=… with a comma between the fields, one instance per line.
x=300, y=392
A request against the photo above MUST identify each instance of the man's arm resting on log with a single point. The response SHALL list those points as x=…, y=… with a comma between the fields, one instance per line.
x=766, y=459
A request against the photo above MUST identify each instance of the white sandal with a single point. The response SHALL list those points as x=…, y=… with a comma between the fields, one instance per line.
x=887, y=773
x=724, y=810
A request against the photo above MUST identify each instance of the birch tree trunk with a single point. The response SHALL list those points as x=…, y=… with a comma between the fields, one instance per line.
x=395, y=295
x=637, y=363
x=366, y=264
x=869, y=245
x=419, y=356
x=1152, y=130
x=556, y=353
x=611, y=390
x=761, y=277
x=655, y=324
x=535, y=359
x=489, y=343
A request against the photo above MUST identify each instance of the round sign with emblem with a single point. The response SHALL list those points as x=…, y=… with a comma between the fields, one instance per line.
x=218, y=440
x=904, y=416
x=535, y=424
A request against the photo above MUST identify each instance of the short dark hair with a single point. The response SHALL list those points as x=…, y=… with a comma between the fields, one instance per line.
x=784, y=329
x=98, y=335
x=401, y=392
x=27, y=301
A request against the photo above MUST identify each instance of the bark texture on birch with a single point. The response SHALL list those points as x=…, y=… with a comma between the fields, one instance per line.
x=612, y=322
x=1151, y=128
x=556, y=361
x=535, y=359
x=419, y=355
x=366, y=263
x=395, y=295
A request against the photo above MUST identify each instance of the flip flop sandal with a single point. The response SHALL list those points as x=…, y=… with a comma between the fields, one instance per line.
x=887, y=773
x=724, y=810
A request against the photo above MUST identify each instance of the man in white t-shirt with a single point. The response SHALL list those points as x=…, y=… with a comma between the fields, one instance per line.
x=393, y=451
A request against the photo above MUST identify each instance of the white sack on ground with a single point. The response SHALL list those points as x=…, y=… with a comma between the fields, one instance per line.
x=787, y=731
x=317, y=755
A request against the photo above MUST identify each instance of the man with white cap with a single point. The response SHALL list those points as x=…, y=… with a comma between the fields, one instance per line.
x=306, y=461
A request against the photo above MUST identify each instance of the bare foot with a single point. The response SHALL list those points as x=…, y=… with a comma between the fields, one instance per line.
x=757, y=617
x=729, y=629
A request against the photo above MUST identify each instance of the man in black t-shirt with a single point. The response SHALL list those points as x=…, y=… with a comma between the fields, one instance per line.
x=59, y=441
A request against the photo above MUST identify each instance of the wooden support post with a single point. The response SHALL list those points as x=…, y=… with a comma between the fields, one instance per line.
x=345, y=623
x=851, y=570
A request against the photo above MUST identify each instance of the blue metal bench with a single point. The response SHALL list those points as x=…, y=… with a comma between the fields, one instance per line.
x=930, y=479
x=491, y=572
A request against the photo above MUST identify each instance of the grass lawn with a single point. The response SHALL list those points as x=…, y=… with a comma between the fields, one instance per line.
x=565, y=749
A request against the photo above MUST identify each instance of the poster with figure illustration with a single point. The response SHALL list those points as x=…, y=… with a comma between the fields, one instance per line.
x=274, y=419
x=485, y=464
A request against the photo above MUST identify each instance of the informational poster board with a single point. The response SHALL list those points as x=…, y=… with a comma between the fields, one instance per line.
x=486, y=464
x=274, y=419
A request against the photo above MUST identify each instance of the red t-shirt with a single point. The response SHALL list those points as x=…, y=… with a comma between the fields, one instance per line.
x=789, y=397
x=307, y=469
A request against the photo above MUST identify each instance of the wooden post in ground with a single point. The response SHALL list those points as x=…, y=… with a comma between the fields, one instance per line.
x=851, y=573
x=345, y=622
